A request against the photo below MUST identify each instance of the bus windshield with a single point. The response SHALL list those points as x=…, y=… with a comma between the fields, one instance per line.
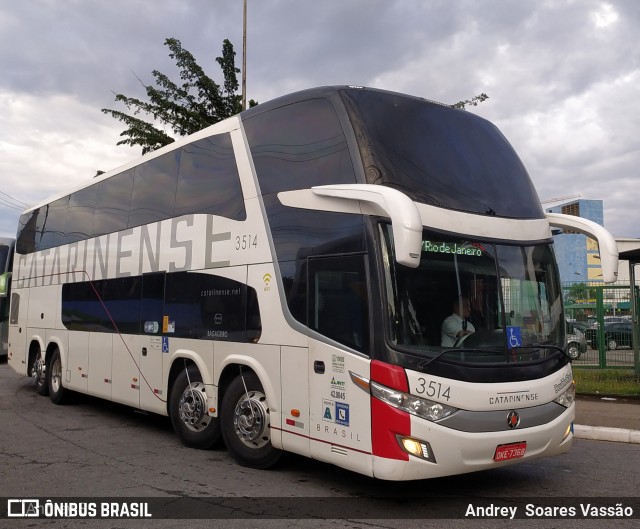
x=499, y=302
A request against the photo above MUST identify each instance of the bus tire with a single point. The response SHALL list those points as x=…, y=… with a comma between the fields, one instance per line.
x=39, y=373
x=245, y=423
x=189, y=413
x=573, y=350
x=57, y=392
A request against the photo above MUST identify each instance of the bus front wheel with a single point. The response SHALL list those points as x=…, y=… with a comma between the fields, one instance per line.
x=189, y=413
x=245, y=423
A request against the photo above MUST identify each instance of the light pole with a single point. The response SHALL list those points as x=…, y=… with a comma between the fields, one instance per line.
x=244, y=55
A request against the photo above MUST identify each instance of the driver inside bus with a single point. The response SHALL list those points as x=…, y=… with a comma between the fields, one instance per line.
x=456, y=325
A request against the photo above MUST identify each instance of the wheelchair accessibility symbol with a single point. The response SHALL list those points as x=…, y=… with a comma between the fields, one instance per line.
x=515, y=336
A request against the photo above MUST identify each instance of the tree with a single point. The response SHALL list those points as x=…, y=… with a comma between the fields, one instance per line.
x=184, y=108
x=471, y=102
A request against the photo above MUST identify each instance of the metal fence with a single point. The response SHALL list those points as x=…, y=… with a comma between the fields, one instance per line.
x=600, y=326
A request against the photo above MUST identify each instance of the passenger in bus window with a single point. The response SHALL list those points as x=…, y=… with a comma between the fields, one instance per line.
x=456, y=325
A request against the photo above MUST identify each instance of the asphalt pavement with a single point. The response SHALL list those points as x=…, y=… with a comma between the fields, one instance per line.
x=608, y=419
x=603, y=418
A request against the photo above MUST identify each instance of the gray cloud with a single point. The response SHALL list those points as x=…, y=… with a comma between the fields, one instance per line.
x=562, y=77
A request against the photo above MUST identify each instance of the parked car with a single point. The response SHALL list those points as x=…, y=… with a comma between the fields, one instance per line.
x=576, y=341
x=616, y=334
x=580, y=325
x=609, y=319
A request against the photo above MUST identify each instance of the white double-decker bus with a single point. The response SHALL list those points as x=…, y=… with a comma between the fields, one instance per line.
x=281, y=280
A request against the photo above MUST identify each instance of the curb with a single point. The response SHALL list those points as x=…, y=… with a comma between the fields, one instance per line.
x=601, y=433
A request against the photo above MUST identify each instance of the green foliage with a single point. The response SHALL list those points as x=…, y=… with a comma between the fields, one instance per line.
x=579, y=292
x=471, y=102
x=603, y=382
x=184, y=108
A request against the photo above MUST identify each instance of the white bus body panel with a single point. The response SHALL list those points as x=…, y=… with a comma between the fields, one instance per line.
x=340, y=412
x=460, y=452
x=77, y=371
x=490, y=396
x=103, y=350
x=295, y=400
x=151, y=361
x=17, y=342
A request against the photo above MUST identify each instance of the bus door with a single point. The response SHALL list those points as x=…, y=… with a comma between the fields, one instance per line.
x=134, y=352
x=338, y=309
x=149, y=345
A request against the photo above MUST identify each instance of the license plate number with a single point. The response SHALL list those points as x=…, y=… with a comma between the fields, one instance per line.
x=510, y=451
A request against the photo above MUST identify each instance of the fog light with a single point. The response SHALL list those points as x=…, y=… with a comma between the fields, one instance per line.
x=417, y=448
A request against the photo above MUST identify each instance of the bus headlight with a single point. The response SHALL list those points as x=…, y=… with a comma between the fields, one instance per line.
x=568, y=396
x=423, y=408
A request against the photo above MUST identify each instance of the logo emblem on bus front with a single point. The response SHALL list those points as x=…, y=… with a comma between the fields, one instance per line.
x=513, y=420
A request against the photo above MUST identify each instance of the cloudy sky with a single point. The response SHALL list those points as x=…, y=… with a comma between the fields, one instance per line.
x=563, y=77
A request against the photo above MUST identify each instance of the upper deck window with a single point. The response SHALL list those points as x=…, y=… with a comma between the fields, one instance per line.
x=298, y=146
x=439, y=156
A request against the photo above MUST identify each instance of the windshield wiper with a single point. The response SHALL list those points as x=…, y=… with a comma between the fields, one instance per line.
x=425, y=363
x=542, y=346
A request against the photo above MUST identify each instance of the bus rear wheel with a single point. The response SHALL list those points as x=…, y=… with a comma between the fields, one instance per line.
x=39, y=373
x=245, y=423
x=189, y=413
x=57, y=392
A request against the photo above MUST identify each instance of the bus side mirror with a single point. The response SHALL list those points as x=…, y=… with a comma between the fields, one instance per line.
x=5, y=282
x=606, y=243
x=406, y=222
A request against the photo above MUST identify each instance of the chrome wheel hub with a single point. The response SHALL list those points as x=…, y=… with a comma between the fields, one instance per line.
x=251, y=420
x=56, y=375
x=39, y=369
x=193, y=407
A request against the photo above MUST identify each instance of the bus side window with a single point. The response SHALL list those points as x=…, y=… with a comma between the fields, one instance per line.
x=338, y=304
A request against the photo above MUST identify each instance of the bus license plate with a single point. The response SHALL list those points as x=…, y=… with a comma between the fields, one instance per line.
x=510, y=451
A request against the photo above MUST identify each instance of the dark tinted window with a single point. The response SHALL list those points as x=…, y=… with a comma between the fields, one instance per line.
x=196, y=306
x=110, y=305
x=52, y=223
x=26, y=240
x=440, y=156
x=152, y=304
x=82, y=204
x=209, y=181
x=294, y=281
x=114, y=200
x=338, y=302
x=202, y=177
x=4, y=257
x=298, y=146
x=300, y=232
x=154, y=189
x=210, y=307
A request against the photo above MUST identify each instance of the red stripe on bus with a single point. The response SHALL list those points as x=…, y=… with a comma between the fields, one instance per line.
x=386, y=421
x=389, y=375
